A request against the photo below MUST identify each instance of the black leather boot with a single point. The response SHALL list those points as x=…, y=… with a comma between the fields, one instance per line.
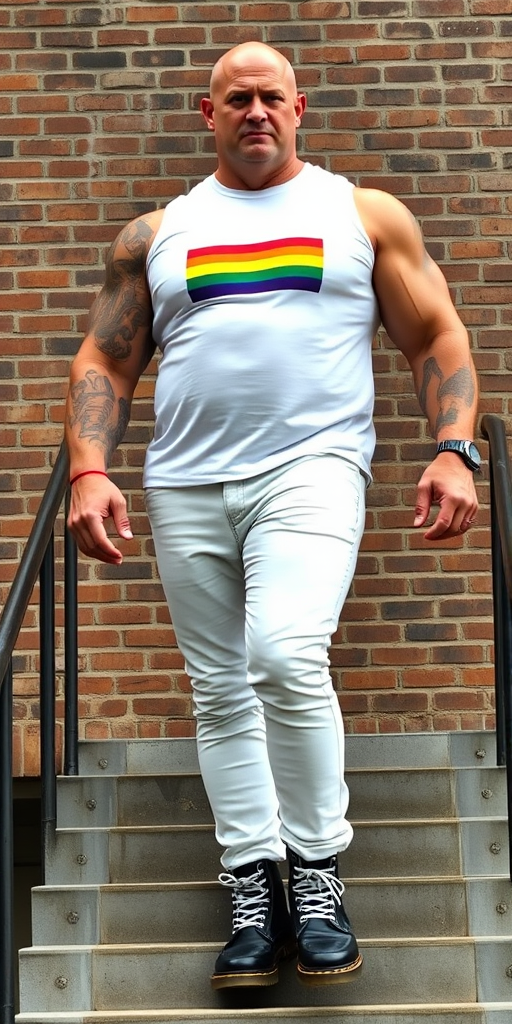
x=327, y=947
x=262, y=929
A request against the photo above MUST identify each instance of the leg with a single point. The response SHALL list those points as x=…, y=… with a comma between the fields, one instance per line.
x=202, y=575
x=299, y=558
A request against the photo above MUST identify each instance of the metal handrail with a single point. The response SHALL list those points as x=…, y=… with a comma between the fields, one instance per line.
x=37, y=561
x=493, y=429
x=28, y=570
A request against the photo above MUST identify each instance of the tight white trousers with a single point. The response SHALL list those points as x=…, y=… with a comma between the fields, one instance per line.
x=255, y=573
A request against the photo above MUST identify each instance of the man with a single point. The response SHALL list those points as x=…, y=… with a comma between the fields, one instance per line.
x=263, y=289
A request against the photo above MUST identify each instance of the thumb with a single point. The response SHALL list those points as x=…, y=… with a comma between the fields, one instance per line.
x=120, y=517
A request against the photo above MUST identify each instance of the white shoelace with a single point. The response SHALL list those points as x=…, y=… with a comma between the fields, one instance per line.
x=316, y=892
x=251, y=898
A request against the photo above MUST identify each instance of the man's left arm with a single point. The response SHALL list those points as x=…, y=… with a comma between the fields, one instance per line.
x=419, y=317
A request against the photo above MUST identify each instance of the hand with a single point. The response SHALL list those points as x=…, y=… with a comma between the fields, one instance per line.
x=447, y=482
x=94, y=499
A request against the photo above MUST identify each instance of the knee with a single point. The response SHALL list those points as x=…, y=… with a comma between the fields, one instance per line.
x=271, y=661
x=289, y=675
x=221, y=698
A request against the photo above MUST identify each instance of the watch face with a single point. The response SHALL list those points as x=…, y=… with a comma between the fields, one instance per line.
x=473, y=453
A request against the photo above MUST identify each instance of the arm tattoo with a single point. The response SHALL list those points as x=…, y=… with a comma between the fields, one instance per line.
x=94, y=404
x=450, y=393
x=124, y=306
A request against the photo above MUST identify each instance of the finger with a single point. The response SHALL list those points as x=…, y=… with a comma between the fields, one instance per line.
x=466, y=524
x=442, y=527
x=423, y=504
x=93, y=541
x=104, y=553
x=448, y=524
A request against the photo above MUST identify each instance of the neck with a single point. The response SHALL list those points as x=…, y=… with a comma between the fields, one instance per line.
x=254, y=177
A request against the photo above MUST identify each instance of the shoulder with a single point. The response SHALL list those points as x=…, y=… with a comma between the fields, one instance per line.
x=135, y=239
x=386, y=220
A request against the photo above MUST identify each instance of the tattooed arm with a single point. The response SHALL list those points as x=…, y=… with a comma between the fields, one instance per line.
x=418, y=314
x=117, y=348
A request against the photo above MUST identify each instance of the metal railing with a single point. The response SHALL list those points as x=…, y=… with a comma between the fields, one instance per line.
x=493, y=429
x=38, y=561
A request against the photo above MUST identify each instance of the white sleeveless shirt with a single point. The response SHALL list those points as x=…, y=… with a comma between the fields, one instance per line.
x=264, y=313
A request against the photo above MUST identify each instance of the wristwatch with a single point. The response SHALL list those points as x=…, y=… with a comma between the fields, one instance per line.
x=467, y=450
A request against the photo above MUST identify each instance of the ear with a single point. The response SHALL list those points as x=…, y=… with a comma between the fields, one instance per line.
x=300, y=106
x=207, y=112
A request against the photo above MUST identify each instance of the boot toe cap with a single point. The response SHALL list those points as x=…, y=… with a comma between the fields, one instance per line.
x=323, y=946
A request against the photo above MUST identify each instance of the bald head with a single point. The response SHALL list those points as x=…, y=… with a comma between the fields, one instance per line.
x=254, y=110
x=247, y=57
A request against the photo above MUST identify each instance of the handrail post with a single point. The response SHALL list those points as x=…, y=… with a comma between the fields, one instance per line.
x=47, y=700
x=6, y=854
x=71, y=650
x=501, y=544
x=503, y=663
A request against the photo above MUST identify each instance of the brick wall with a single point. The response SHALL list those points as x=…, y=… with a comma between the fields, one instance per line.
x=99, y=123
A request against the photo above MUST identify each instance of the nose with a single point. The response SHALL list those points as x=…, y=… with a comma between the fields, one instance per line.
x=256, y=111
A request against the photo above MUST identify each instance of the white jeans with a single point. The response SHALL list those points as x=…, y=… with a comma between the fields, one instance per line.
x=255, y=573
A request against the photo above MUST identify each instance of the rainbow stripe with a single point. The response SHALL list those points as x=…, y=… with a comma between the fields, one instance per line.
x=285, y=263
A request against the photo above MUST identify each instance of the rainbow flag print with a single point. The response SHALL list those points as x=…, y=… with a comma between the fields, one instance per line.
x=285, y=263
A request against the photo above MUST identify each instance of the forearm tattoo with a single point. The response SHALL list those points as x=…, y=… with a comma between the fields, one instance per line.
x=449, y=393
x=95, y=411
x=123, y=306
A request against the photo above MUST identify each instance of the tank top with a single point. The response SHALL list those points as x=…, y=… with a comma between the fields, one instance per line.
x=264, y=314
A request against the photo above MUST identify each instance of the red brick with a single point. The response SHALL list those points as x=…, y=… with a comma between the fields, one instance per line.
x=400, y=702
x=126, y=140
x=145, y=13
x=320, y=11
x=167, y=707
x=491, y=7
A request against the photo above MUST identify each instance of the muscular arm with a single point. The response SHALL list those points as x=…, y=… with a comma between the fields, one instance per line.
x=116, y=349
x=419, y=316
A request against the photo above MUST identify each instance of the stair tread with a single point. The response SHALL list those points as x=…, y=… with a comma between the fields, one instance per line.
x=393, y=941
x=359, y=823
x=209, y=883
x=387, y=769
x=327, y=1013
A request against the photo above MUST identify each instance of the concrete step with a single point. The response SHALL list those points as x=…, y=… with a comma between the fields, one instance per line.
x=392, y=750
x=427, y=888
x=180, y=799
x=440, y=847
x=435, y=971
x=468, y=1013
x=201, y=911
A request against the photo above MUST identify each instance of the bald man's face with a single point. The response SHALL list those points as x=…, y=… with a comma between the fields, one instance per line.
x=254, y=109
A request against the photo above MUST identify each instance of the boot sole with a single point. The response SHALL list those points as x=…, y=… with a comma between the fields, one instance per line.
x=244, y=980
x=250, y=980
x=339, y=976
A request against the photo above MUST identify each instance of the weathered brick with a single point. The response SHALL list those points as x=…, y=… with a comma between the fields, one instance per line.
x=100, y=122
x=491, y=7
x=146, y=13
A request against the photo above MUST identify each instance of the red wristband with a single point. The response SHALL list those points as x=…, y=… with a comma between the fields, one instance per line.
x=86, y=472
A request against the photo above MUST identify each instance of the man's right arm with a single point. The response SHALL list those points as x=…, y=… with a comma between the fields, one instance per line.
x=117, y=348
